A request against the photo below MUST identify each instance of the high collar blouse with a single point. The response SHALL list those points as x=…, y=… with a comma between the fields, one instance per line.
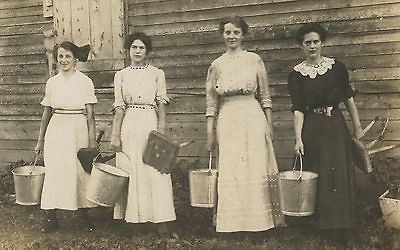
x=140, y=86
x=240, y=74
x=325, y=84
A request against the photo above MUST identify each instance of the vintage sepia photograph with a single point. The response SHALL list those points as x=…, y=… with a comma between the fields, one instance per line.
x=198, y=124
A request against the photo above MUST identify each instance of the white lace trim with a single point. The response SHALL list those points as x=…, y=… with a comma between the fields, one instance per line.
x=312, y=70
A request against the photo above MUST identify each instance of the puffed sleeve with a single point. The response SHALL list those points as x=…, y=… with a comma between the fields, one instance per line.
x=211, y=93
x=118, y=95
x=90, y=96
x=161, y=95
x=298, y=101
x=47, y=94
x=348, y=91
x=264, y=94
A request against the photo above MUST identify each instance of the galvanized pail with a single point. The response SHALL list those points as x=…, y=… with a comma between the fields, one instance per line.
x=203, y=187
x=298, y=191
x=105, y=184
x=28, y=182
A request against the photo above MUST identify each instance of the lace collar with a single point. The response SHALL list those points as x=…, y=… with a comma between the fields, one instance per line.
x=312, y=70
x=139, y=67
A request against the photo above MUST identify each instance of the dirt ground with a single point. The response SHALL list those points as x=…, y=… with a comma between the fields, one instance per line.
x=19, y=229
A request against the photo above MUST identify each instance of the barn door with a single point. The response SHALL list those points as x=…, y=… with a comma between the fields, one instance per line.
x=99, y=23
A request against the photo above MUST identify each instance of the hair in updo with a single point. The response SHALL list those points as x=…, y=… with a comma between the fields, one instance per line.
x=235, y=20
x=138, y=36
x=308, y=28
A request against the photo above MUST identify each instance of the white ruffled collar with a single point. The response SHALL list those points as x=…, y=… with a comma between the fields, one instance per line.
x=312, y=70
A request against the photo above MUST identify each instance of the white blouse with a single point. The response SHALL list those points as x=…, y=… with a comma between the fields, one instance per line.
x=140, y=86
x=72, y=93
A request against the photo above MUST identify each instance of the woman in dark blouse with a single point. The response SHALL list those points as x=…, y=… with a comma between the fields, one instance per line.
x=317, y=86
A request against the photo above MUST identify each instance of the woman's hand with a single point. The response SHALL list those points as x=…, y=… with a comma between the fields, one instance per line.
x=358, y=133
x=39, y=147
x=116, y=144
x=299, y=147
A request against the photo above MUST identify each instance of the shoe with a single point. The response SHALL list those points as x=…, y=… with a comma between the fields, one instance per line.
x=49, y=226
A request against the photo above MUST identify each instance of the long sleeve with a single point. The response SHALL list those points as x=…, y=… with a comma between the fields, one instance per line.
x=161, y=95
x=298, y=101
x=118, y=95
x=211, y=93
x=263, y=87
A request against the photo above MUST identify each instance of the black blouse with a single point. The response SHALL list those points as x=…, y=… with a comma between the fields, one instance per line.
x=328, y=89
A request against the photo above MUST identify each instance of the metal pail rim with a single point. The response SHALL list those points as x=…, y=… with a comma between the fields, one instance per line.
x=28, y=170
x=110, y=169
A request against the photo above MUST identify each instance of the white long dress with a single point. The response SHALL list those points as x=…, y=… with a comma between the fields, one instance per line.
x=65, y=180
x=148, y=197
x=247, y=185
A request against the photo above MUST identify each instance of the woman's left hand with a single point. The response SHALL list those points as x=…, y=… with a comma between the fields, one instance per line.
x=358, y=133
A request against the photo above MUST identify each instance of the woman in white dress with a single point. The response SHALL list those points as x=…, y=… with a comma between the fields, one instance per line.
x=140, y=100
x=237, y=90
x=67, y=125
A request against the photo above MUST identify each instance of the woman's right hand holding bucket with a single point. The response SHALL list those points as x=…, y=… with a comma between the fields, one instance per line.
x=299, y=147
x=39, y=147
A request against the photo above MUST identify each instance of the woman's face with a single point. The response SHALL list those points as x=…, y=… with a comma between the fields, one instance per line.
x=66, y=60
x=233, y=36
x=312, y=45
x=137, y=51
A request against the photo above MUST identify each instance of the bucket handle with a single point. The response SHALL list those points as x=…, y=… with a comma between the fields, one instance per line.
x=209, y=163
x=34, y=163
x=301, y=165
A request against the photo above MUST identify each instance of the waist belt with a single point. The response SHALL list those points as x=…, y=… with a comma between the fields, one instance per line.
x=326, y=110
x=141, y=106
x=68, y=111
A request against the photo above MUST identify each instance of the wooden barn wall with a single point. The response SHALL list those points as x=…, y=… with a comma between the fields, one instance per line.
x=364, y=34
x=23, y=72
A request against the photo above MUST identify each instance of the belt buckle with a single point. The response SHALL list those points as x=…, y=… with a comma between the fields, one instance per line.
x=327, y=110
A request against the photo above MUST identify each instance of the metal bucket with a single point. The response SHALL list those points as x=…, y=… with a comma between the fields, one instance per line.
x=203, y=187
x=390, y=210
x=28, y=182
x=298, y=191
x=105, y=184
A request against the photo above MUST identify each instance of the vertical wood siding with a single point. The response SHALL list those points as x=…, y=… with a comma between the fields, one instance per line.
x=364, y=34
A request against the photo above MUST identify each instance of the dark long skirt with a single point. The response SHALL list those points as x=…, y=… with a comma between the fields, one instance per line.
x=328, y=152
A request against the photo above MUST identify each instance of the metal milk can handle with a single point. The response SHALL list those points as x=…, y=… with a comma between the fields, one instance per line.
x=301, y=165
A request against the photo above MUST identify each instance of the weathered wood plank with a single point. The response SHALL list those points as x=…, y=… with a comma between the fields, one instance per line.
x=268, y=45
x=62, y=20
x=36, y=28
x=23, y=69
x=20, y=40
x=101, y=32
x=23, y=59
x=177, y=6
x=23, y=79
x=24, y=20
x=118, y=28
x=22, y=89
x=80, y=25
x=11, y=4
x=254, y=18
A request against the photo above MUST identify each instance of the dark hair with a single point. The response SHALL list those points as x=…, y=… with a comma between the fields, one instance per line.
x=308, y=28
x=80, y=53
x=235, y=20
x=138, y=36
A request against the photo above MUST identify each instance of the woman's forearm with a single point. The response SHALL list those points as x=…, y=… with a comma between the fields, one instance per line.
x=91, y=123
x=162, y=114
x=298, y=124
x=352, y=109
x=47, y=113
x=117, y=122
